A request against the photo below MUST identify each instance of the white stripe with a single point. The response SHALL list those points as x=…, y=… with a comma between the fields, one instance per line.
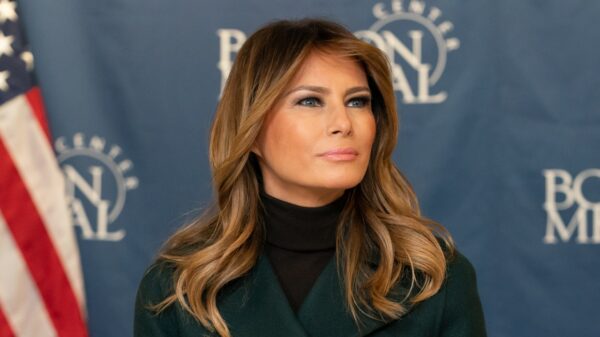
x=19, y=297
x=27, y=144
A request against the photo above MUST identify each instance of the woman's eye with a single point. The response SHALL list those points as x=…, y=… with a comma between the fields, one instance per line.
x=309, y=101
x=359, y=102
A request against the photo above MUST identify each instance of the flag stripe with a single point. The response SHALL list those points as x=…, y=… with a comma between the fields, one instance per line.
x=34, y=96
x=31, y=237
x=19, y=298
x=30, y=151
x=5, y=330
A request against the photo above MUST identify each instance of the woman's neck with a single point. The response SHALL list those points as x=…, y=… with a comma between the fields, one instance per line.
x=300, y=228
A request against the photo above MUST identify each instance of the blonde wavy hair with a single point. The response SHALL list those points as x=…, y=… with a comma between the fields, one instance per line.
x=380, y=222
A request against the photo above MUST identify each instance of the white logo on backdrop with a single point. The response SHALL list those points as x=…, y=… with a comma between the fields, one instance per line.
x=416, y=69
x=96, y=184
x=230, y=42
x=565, y=197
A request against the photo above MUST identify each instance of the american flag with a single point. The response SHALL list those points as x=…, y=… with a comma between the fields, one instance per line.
x=41, y=285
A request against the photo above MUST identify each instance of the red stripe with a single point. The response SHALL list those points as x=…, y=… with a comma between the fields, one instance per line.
x=36, y=247
x=34, y=96
x=5, y=330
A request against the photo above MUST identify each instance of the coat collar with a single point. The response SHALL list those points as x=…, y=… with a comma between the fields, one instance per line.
x=257, y=306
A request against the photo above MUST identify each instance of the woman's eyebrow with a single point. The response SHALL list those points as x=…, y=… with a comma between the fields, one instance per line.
x=323, y=90
x=357, y=89
x=315, y=88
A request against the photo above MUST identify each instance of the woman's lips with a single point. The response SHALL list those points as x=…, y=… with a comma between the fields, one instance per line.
x=344, y=154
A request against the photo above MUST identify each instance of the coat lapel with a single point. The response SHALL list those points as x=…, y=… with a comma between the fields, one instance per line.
x=256, y=306
x=324, y=312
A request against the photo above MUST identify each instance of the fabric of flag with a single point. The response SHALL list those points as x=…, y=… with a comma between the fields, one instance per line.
x=41, y=284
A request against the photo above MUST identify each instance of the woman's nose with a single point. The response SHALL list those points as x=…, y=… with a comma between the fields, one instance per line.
x=339, y=120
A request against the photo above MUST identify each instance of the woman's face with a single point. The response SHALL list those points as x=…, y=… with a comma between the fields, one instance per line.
x=316, y=142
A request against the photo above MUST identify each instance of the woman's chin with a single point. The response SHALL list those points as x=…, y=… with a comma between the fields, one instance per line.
x=341, y=183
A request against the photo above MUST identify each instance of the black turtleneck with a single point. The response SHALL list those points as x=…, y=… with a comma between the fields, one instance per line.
x=300, y=242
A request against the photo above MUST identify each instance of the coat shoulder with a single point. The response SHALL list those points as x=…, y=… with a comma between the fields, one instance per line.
x=462, y=311
x=459, y=270
x=155, y=286
x=454, y=311
x=156, y=283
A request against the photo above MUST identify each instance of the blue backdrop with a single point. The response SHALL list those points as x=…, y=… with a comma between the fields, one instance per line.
x=500, y=134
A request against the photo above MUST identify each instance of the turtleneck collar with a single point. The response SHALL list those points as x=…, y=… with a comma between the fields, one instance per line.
x=300, y=228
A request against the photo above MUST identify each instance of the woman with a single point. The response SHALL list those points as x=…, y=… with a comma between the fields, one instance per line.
x=314, y=231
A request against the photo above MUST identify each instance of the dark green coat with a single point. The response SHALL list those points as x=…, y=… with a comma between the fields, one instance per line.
x=255, y=306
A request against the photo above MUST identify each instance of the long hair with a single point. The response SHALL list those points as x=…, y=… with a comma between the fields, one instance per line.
x=382, y=240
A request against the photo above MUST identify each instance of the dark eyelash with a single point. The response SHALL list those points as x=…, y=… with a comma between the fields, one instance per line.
x=364, y=99
x=316, y=99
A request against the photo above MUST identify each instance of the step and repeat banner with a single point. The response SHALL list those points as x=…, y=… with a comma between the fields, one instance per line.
x=500, y=135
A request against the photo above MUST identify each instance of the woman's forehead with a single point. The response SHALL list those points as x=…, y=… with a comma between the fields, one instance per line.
x=325, y=66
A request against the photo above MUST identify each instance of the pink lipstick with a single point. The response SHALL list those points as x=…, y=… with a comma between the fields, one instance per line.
x=341, y=154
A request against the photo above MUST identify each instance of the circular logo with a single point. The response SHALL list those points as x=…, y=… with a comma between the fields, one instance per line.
x=415, y=39
x=97, y=179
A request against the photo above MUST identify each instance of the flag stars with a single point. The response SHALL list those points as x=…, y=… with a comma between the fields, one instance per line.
x=4, y=75
x=8, y=11
x=27, y=57
x=6, y=44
